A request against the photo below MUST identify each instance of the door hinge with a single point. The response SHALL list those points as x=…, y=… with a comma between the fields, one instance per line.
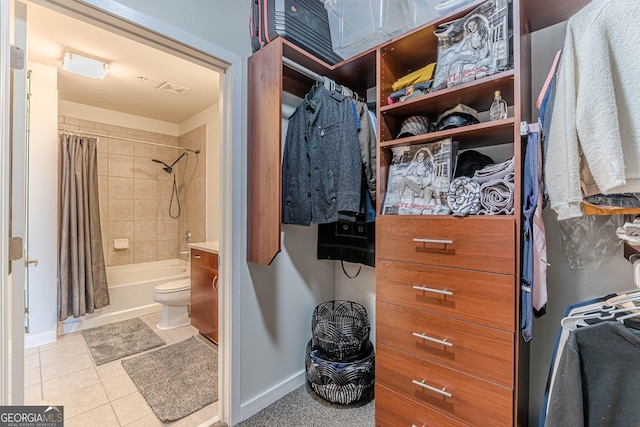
x=17, y=58
x=15, y=248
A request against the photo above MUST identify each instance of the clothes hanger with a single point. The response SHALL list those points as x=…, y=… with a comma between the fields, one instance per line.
x=628, y=296
x=328, y=83
x=604, y=313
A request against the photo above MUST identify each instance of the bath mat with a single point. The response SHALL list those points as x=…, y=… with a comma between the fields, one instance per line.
x=178, y=379
x=120, y=339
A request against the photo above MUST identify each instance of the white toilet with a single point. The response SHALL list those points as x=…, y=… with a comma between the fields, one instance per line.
x=174, y=297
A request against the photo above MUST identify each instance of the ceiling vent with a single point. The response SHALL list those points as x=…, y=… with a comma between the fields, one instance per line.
x=173, y=88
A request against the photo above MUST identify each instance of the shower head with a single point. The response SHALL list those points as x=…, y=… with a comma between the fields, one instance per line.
x=169, y=168
x=166, y=168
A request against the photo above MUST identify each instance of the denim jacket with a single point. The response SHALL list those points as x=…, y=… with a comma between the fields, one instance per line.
x=322, y=166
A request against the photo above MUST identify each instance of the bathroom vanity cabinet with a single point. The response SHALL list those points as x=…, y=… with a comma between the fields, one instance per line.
x=204, y=293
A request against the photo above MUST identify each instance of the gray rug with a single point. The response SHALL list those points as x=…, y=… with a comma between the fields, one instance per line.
x=303, y=408
x=178, y=379
x=121, y=339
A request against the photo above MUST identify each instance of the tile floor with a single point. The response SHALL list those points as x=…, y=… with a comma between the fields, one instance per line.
x=63, y=373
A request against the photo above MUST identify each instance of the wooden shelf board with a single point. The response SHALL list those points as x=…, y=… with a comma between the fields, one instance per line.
x=477, y=94
x=483, y=134
x=542, y=14
x=475, y=217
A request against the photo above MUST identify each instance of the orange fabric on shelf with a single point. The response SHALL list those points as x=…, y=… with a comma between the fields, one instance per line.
x=591, y=209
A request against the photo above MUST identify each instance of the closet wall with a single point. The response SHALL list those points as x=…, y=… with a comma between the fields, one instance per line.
x=565, y=286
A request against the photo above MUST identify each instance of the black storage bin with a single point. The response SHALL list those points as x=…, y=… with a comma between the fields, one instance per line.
x=304, y=23
x=341, y=382
x=340, y=329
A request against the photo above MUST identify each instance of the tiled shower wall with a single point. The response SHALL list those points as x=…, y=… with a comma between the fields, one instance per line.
x=135, y=193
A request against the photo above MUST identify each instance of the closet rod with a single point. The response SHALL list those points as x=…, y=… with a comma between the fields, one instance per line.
x=72, y=131
x=299, y=68
x=317, y=77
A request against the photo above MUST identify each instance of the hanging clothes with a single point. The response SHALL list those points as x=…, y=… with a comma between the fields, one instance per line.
x=561, y=339
x=598, y=380
x=530, y=193
x=596, y=106
x=367, y=139
x=322, y=165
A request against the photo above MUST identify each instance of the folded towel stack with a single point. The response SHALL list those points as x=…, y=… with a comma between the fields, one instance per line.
x=490, y=191
x=496, y=197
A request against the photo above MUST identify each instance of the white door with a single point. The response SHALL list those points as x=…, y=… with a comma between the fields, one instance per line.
x=13, y=164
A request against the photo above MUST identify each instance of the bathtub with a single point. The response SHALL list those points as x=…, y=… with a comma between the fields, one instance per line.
x=131, y=293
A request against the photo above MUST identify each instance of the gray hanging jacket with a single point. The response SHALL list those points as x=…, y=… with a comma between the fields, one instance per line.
x=322, y=166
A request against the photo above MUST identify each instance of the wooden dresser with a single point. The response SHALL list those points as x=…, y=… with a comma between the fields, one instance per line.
x=445, y=321
x=447, y=288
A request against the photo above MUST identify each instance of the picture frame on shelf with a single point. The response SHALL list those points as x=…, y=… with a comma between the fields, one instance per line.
x=419, y=177
x=473, y=46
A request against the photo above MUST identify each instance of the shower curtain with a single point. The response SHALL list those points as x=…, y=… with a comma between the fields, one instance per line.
x=82, y=278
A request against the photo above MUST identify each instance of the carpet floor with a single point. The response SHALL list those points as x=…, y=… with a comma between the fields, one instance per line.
x=178, y=379
x=121, y=339
x=303, y=408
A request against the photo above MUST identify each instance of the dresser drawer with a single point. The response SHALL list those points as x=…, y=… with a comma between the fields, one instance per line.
x=482, y=243
x=463, y=397
x=393, y=410
x=484, y=352
x=484, y=298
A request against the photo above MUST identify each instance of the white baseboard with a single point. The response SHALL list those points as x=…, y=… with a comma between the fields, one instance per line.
x=260, y=402
x=99, y=319
x=39, y=339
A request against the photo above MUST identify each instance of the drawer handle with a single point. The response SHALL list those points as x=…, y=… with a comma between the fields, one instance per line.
x=214, y=283
x=413, y=425
x=428, y=387
x=197, y=256
x=428, y=338
x=436, y=291
x=442, y=242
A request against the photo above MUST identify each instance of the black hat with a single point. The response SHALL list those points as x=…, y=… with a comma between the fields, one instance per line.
x=460, y=115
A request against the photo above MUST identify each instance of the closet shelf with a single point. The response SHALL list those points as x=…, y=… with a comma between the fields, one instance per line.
x=483, y=134
x=475, y=217
x=477, y=94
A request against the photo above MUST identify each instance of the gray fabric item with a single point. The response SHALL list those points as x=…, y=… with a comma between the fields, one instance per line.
x=117, y=340
x=495, y=171
x=598, y=381
x=178, y=379
x=496, y=197
x=367, y=139
x=302, y=407
x=82, y=276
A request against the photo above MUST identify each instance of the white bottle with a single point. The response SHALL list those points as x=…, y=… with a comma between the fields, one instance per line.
x=498, y=108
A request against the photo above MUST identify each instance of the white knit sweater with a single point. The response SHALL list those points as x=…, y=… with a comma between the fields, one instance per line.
x=597, y=105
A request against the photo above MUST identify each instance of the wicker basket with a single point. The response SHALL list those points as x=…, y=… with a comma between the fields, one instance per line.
x=340, y=329
x=341, y=382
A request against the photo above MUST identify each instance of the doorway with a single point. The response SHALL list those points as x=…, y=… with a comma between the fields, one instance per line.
x=142, y=79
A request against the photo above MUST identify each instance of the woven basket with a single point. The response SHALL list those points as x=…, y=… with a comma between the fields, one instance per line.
x=340, y=329
x=341, y=382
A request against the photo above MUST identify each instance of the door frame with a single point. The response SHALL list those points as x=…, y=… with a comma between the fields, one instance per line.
x=5, y=96
x=140, y=27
